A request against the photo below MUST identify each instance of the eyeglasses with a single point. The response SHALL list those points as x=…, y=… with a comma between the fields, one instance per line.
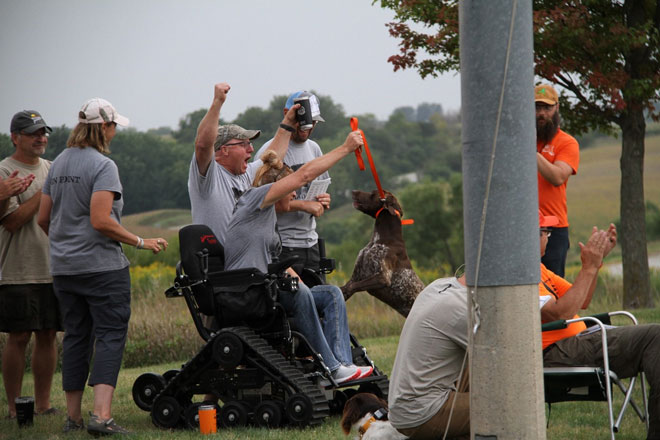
x=244, y=144
x=546, y=231
x=36, y=134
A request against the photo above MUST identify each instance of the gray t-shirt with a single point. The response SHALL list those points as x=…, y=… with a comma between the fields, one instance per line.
x=298, y=228
x=212, y=197
x=75, y=246
x=430, y=353
x=252, y=238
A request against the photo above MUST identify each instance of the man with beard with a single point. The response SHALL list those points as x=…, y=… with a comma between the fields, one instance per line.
x=297, y=226
x=557, y=158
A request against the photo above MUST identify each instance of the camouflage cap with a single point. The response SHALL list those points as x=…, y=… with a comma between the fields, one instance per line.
x=546, y=94
x=233, y=131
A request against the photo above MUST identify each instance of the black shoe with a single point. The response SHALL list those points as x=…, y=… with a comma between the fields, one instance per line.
x=98, y=426
x=71, y=425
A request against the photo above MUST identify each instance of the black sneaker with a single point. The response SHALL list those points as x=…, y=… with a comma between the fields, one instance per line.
x=72, y=425
x=98, y=426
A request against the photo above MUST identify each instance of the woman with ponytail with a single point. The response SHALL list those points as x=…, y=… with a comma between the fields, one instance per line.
x=252, y=241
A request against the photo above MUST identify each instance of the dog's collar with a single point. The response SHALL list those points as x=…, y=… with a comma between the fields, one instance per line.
x=398, y=214
x=379, y=414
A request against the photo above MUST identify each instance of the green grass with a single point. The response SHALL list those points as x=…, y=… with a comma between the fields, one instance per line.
x=381, y=350
x=593, y=194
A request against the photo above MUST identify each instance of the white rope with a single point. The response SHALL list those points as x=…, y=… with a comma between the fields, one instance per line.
x=476, y=313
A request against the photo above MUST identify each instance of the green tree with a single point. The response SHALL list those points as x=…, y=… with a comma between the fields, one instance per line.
x=433, y=240
x=188, y=126
x=606, y=57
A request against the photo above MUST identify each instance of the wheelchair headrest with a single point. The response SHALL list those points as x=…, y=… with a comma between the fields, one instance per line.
x=193, y=239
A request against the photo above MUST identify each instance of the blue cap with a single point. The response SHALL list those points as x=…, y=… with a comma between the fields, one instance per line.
x=313, y=100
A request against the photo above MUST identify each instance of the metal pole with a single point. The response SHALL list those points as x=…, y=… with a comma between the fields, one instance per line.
x=500, y=216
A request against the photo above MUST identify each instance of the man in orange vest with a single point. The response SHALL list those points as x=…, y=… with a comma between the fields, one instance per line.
x=632, y=348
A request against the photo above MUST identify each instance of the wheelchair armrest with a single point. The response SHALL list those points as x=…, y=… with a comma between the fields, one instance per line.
x=280, y=266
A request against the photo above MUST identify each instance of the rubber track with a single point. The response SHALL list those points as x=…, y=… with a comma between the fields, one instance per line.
x=256, y=350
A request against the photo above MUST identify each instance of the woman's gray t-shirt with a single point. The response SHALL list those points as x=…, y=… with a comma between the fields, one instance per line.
x=251, y=239
x=75, y=246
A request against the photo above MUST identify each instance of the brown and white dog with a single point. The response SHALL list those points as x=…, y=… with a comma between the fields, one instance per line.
x=367, y=414
x=382, y=267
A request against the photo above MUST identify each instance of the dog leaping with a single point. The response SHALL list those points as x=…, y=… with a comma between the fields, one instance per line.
x=382, y=267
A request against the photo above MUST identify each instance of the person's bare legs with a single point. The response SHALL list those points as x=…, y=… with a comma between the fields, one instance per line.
x=44, y=361
x=103, y=400
x=13, y=367
x=74, y=405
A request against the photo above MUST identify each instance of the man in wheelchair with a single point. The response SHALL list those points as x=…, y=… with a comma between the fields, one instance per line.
x=632, y=349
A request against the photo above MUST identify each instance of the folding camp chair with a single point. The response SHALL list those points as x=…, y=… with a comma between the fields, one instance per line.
x=563, y=384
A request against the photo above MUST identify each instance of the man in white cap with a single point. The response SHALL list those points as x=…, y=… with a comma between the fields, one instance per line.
x=557, y=158
x=297, y=227
x=219, y=170
x=27, y=300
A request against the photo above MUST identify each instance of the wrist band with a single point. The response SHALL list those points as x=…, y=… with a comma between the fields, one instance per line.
x=140, y=243
x=287, y=128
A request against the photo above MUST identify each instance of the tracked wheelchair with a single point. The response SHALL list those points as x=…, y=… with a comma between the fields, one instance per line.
x=263, y=372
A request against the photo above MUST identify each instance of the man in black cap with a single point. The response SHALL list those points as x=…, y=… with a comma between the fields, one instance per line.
x=27, y=301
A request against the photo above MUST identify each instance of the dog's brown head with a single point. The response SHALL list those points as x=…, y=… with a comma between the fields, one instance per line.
x=359, y=405
x=371, y=203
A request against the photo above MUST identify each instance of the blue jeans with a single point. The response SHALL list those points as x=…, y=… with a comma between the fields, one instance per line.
x=331, y=339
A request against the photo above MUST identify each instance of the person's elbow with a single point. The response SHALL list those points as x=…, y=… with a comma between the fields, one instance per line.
x=100, y=224
x=552, y=312
x=11, y=226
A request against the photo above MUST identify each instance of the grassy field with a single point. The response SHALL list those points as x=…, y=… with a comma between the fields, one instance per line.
x=579, y=421
x=593, y=194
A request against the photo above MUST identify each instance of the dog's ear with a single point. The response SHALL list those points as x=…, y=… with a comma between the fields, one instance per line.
x=350, y=415
x=392, y=204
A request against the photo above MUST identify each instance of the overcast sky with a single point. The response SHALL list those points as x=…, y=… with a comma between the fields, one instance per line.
x=157, y=60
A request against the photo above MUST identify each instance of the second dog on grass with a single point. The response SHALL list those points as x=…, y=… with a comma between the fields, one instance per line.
x=382, y=267
x=366, y=414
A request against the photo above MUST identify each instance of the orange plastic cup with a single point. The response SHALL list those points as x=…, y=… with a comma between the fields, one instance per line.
x=207, y=422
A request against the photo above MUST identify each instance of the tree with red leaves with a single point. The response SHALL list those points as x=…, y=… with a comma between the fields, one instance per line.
x=604, y=54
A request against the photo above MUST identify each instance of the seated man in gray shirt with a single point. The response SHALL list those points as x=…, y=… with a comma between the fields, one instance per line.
x=426, y=378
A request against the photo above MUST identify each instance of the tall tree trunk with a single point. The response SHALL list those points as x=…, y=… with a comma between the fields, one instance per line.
x=636, y=281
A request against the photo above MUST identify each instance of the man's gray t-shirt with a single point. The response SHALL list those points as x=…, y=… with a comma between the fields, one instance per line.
x=75, y=246
x=212, y=197
x=252, y=239
x=430, y=353
x=298, y=228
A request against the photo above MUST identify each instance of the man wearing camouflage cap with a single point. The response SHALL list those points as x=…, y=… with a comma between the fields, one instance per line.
x=219, y=170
